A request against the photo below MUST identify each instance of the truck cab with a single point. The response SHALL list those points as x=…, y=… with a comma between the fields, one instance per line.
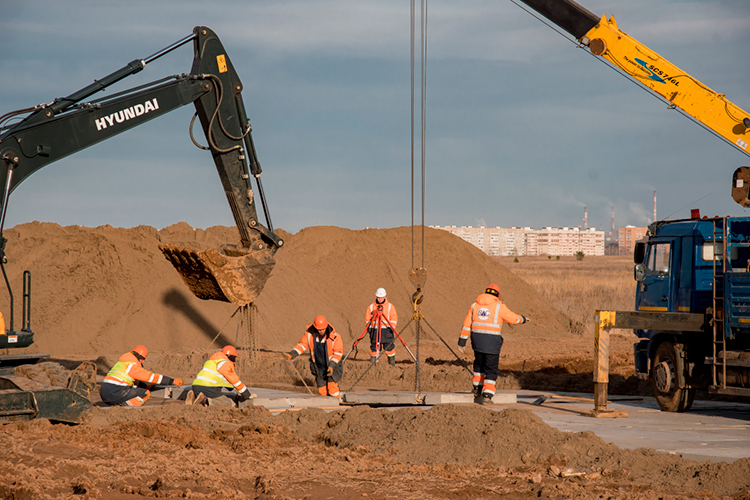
x=684, y=266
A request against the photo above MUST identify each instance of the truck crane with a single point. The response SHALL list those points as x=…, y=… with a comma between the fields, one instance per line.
x=34, y=137
x=692, y=300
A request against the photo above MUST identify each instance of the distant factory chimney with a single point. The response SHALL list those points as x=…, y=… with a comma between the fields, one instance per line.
x=654, y=206
x=585, y=218
x=613, y=222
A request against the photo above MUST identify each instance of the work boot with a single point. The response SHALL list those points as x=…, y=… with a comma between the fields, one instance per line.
x=201, y=399
x=487, y=397
x=373, y=359
x=190, y=398
x=392, y=360
x=477, y=391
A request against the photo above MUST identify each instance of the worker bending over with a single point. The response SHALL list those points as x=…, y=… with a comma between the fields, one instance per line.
x=382, y=320
x=218, y=372
x=326, y=351
x=128, y=383
x=484, y=322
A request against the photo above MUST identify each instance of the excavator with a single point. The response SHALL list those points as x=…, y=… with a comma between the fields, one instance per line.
x=34, y=137
x=678, y=89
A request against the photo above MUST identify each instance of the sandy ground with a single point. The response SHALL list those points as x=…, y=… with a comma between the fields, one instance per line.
x=99, y=291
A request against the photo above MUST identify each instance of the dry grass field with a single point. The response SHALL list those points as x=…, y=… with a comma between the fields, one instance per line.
x=579, y=288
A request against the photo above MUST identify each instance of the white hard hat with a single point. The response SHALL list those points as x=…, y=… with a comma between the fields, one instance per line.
x=380, y=293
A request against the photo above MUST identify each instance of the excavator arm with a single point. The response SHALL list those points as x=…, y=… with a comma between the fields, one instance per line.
x=604, y=39
x=49, y=132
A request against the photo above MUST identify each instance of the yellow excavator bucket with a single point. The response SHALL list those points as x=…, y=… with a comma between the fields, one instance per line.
x=230, y=273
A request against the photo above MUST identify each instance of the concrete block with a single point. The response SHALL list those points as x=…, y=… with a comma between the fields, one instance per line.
x=445, y=398
x=382, y=398
x=293, y=402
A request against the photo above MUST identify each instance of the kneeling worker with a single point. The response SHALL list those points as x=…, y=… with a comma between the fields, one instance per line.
x=326, y=351
x=128, y=383
x=218, y=371
x=484, y=322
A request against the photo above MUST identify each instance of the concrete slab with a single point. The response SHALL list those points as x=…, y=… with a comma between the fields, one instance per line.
x=460, y=397
x=301, y=401
x=379, y=398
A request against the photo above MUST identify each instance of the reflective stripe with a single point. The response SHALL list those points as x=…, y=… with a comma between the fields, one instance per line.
x=488, y=332
x=465, y=328
x=113, y=382
x=485, y=324
x=209, y=375
x=119, y=374
x=463, y=337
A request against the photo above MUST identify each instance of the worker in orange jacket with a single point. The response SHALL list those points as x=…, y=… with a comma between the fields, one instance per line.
x=382, y=319
x=128, y=383
x=484, y=323
x=218, y=372
x=326, y=351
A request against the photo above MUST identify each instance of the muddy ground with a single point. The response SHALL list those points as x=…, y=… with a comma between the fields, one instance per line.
x=99, y=291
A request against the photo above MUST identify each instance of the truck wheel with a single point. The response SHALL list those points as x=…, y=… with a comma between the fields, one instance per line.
x=664, y=378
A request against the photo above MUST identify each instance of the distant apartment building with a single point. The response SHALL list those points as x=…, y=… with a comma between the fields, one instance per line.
x=628, y=236
x=498, y=241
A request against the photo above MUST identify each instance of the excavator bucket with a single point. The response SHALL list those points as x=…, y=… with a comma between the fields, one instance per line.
x=47, y=390
x=229, y=273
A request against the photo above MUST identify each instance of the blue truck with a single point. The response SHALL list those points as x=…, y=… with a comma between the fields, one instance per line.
x=699, y=268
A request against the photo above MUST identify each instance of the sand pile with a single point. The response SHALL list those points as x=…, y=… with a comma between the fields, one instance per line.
x=449, y=451
x=99, y=291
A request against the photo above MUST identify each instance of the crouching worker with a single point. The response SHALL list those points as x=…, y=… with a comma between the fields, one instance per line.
x=218, y=372
x=128, y=383
x=326, y=351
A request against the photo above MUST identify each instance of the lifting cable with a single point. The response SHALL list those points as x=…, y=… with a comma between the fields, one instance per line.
x=418, y=275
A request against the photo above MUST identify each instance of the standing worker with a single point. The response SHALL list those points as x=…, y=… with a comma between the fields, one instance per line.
x=484, y=322
x=128, y=383
x=382, y=318
x=217, y=372
x=326, y=351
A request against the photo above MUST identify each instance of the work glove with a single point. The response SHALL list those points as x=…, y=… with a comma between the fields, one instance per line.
x=525, y=319
x=329, y=372
x=462, y=349
x=244, y=394
x=178, y=382
x=288, y=356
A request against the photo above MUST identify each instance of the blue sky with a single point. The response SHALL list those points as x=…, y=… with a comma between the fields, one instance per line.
x=523, y=128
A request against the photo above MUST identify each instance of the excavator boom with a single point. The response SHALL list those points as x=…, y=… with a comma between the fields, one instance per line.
x=678, y=88
x=232, y=273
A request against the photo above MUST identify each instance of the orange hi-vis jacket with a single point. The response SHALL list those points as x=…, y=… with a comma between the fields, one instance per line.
x=484, y=322
x=334, y=344
x=218, y=371
x=128, y=370
x=389, y=311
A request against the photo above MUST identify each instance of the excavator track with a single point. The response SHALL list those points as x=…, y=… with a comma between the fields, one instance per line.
x=229, y=273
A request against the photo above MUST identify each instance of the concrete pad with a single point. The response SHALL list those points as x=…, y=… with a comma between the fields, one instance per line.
x=382, y=398
x=445, y=398
x=301, y=401
x=378, y=398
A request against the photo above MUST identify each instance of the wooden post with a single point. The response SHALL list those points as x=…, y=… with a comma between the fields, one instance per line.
x=604, y=319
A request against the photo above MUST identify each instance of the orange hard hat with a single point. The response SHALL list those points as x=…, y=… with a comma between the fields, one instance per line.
x=229, y=351
x=320, y=322
x=493, y=289
x=141, y=351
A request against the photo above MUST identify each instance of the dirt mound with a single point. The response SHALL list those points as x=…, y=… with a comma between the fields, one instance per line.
x=99, y=291
x=449, y=451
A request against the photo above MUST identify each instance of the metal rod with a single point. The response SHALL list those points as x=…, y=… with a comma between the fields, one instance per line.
x=26, y=317
x=169, y=48
x=10, y=292
x=6, y=193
